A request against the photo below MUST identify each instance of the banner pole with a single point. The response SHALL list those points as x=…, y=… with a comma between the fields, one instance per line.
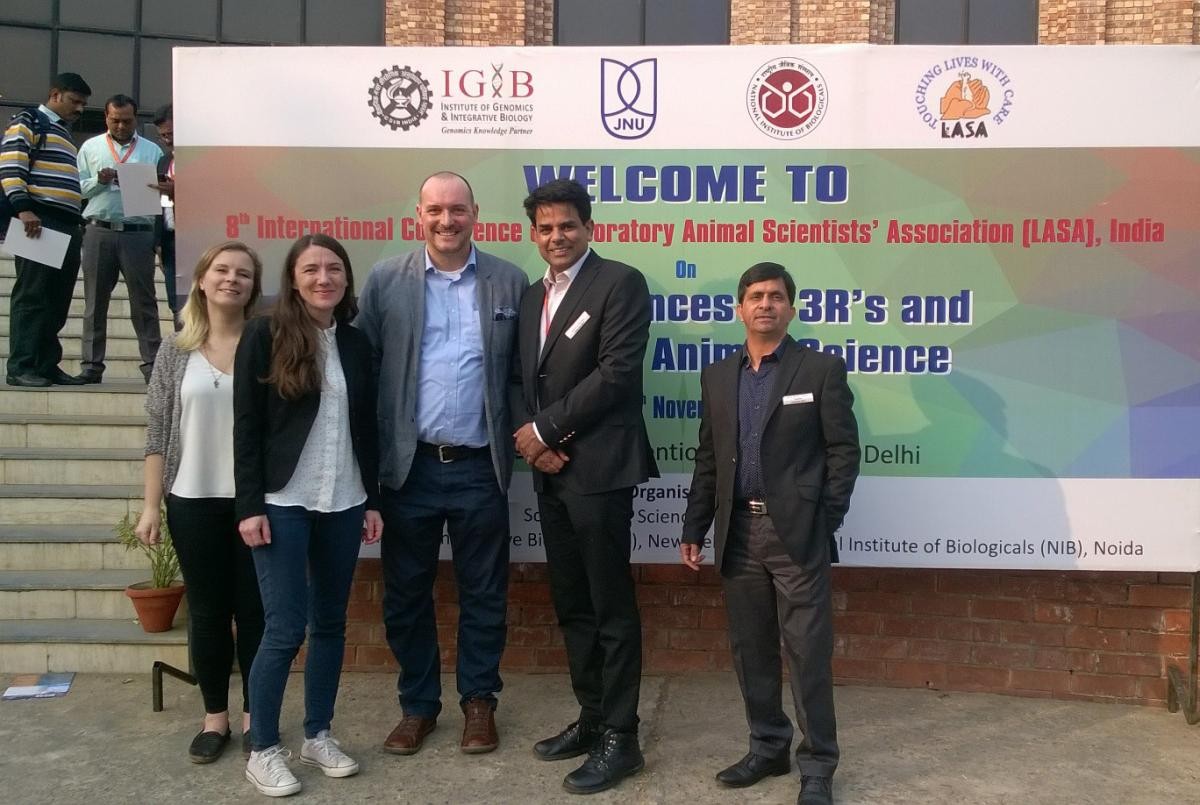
x=1177, y=694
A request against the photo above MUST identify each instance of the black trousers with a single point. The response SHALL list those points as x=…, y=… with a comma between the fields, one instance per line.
x=41, y=300
x=222, y=590
x=766, y=592
x=587, y=548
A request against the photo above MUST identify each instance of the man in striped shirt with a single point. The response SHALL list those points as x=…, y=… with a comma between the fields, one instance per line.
x=41, y=181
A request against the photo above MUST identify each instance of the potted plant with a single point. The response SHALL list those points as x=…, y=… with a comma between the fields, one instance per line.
x=157, y=600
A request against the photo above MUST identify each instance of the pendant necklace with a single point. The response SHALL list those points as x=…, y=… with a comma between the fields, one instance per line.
x=212, y=370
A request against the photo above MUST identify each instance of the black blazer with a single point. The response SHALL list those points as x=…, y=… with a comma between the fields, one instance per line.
x=584, y=391
x=269, y=432
x=810, y=454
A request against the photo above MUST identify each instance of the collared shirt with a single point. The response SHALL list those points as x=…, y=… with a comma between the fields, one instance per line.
x=104, y=200
x=556, y=286
x=754, y=398
x=327, y=478
x=450, y=407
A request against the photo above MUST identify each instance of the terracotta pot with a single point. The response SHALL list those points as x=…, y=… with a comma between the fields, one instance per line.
x=155, y=606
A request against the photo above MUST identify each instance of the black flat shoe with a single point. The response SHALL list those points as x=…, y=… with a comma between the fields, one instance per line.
x=60, y=378
x=27, y=381
x=753, y=768
x=207, y=746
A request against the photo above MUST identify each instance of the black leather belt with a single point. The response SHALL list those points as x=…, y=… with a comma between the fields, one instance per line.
x=752, y=506
x=449, y=453
x=118, y=226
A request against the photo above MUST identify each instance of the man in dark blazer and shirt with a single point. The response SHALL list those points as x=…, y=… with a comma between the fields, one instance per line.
x=583, y=334
x=776, y=463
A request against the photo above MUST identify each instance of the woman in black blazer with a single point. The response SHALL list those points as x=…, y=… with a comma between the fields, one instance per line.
x=306, y=472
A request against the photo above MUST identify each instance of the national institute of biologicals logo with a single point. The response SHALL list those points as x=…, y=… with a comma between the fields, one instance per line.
x=963, y=97
x=628, y=97
x=399, y=98
x=787, y=98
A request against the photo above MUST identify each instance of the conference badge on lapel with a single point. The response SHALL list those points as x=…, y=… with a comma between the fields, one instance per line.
x=796, y=399
x=577, y=325
x=504, y=314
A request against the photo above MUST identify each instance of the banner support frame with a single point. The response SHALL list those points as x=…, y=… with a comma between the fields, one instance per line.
x=1177, y=694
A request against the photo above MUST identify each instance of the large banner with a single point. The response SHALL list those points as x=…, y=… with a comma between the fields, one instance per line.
x=1002, y=243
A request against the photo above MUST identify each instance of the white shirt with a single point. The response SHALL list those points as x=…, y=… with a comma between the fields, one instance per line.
x=205, y=431
x=327, y=478
x=557, y=286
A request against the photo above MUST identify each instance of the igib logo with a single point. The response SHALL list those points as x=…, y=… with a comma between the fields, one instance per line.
x=953, y=98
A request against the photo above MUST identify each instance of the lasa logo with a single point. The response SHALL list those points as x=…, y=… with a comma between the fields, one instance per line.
x=628, y=97
x=500, y=83
x=967, y=106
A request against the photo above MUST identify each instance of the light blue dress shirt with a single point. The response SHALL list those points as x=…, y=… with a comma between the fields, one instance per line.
x=450, y=389
x=103, y=201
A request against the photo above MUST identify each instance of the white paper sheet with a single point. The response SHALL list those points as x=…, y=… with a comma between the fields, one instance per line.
x=137, y=196
x=49, y=248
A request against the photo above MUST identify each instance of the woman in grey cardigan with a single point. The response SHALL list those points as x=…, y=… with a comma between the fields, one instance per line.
x=189, y=459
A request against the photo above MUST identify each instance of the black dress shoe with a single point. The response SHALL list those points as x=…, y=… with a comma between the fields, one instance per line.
x=207, y=746
x=60, y=378
x=27, y=381
x=752, y=768
x=815, y=791
x=247, y=745
x=575, y=740
x=613, y=758
x=88, y=378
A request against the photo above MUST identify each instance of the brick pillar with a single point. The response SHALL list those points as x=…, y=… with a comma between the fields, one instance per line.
x=831, y=21
x=760, y=22
x=883, y=22
x=415, y=22
x=539, y=22
x=485, y=22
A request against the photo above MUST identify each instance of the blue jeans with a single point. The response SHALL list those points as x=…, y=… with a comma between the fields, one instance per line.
x=463, y=497
x=304, y=576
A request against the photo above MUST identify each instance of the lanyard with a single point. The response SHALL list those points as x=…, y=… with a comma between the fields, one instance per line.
x=113, y=151
x=546, y=314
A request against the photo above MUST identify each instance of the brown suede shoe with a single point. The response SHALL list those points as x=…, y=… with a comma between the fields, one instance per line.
x=408, y=735
x=479, y=731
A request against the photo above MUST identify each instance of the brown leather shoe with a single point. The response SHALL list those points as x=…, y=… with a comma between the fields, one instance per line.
x=408, y=735
x=479, y=731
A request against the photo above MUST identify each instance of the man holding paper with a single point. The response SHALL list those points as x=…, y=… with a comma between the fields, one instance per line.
x=41, y=183
x=119, y=233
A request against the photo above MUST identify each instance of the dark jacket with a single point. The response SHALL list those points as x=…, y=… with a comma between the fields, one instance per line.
x=269, y=432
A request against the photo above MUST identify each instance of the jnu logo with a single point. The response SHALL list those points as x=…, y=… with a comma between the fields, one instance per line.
x=628, y=97
x=787, y=98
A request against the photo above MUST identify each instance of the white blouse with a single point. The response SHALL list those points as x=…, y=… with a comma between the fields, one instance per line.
x=327, y=478
x=205, y=431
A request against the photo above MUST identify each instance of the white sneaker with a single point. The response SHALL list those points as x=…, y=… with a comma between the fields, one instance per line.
x=325, y=753
x=268, y=770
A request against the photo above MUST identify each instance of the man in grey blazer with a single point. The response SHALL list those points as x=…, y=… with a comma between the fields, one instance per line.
x=443, y=324
x=776, y=462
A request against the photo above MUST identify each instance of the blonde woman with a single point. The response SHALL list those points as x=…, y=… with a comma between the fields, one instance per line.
x=189, y=459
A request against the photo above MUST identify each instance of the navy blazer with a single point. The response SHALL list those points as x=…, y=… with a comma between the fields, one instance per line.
x=269, y=431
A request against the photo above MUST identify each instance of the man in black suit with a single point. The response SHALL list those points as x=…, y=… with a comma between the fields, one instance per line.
x=776, y=463
x=582, y=338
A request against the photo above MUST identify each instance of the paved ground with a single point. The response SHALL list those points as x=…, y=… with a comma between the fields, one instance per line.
x=102, y=744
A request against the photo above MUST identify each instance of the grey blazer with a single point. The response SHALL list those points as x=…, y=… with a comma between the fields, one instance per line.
x=391, y=312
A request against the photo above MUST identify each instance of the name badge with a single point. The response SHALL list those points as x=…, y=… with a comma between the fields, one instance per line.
x=577, y=325
x=796, y=399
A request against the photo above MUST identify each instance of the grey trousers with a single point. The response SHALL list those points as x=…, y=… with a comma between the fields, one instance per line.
x=105, y=255
x=766, y=592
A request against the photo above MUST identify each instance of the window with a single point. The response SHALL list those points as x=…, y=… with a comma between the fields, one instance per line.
x=642, y=22
x=962, y=22
x=124, y=46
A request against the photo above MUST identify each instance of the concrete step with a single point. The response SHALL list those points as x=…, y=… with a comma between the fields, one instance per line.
x=70, y=465
x=65, y=547
x=119, y=292
x=119, y=309
x=90, y=593
x=115, y=368
x=88, y=646
x=54, y=504
x=118, y=326
x=113, y=397
x=48, y=430
x=72, y=346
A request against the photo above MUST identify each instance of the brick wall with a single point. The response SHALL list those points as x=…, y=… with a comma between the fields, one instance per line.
x=1090, y=22
x=1082, y=635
